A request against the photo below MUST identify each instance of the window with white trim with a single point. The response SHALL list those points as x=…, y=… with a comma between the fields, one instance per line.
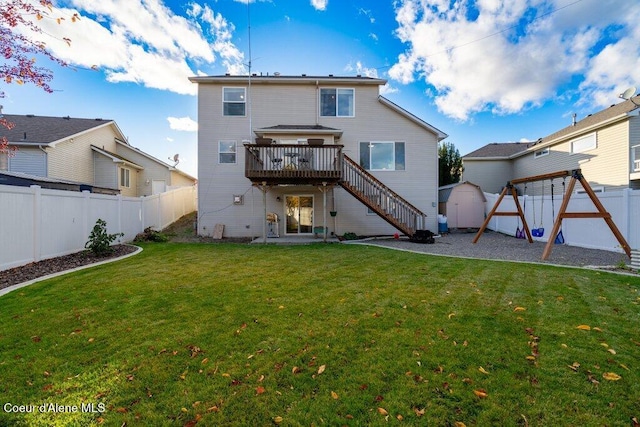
x=227, y=151
x=337, y=102
x=234, y=101
x=541, y=153
x=382, y=155
x=585, y=143
x=125, y=178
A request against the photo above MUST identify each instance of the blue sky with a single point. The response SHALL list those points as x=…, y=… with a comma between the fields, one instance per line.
x=480, y=70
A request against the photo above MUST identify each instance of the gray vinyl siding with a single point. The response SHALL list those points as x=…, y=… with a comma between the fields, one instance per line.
x=152, y=171
x=32, y=161
x=106, y=171
x=490, y=175
x=297, y=104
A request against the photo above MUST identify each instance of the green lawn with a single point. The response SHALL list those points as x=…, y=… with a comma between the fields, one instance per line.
x=321, y=335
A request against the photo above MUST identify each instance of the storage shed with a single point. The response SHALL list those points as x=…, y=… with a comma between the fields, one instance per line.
x=463, y=204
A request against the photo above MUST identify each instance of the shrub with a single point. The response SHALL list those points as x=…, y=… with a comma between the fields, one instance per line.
x=350, y=236
x=151, y=235
x=99, y=240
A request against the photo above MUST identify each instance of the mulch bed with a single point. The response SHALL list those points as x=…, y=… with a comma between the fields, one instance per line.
x=34, y=270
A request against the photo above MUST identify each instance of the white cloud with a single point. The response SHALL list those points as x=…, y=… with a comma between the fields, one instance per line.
x=143, y=42
x=479, y=57
x=368, y=14
x=186, y=124
x=319, y=4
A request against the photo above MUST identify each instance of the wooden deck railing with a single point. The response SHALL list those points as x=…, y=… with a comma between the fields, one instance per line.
x=381, y=199
x=293, y=164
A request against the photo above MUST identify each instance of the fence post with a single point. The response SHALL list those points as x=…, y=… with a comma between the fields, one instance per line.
x=37, y=222
x=85, y=215
x=141, y=210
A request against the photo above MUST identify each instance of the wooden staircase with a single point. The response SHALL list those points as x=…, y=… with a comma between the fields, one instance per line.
x=381, y=199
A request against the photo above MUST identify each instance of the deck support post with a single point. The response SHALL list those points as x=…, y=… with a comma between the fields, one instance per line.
x=265, y=189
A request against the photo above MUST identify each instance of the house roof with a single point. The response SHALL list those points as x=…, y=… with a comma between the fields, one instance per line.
x=506, y=150
x=498, y=150
x=614, y=112
x=43, y=130
x=116, y=157
x=311, y=129
x=289, y=79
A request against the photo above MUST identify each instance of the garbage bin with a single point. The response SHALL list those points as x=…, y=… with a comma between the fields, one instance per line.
x=442, y=224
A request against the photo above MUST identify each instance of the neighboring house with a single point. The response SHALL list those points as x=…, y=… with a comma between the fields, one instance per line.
x=339, y=148
x=463, y=203
x=604, y=145
x=89, y=151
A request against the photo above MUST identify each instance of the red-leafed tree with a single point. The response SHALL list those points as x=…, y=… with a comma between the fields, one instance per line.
x=18, y=22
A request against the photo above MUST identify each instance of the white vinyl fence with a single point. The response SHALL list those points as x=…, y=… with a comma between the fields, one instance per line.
x=37, y=223
x=623, y=205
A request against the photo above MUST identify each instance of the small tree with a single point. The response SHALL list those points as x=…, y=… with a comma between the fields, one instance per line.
x=449, y=164
x=99, y=240
x=19, y=50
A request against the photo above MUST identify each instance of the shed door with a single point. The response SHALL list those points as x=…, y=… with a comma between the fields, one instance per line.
x=470, y=209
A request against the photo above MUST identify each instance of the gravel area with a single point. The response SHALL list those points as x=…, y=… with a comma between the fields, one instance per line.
x=496, y=246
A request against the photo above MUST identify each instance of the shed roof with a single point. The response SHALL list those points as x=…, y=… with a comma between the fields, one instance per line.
x=445, y=191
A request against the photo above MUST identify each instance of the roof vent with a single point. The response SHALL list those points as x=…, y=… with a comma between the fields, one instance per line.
x=67, y=118
x=30, y=115
x=277, y=74
x=574, y=119
x=98, y=119
x=304, y=75
x=330, y=75
x=24, y=138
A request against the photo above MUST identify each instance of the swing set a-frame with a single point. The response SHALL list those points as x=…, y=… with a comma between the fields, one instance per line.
x=576, y=175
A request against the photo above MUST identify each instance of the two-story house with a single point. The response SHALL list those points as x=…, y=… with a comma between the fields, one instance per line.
x=605, y=146
x=325, y=152
x=94, y=152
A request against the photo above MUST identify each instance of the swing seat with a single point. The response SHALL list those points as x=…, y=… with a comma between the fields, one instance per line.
x=537, y=232
x=559, y=239
x=520, y=234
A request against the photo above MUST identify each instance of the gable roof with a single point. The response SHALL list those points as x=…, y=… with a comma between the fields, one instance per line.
x=277, y=78
x=497, y=150
x=44, y=130
x=444, y=192
x=507, y=150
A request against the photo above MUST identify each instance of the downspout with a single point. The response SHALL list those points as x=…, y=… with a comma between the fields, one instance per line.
x=317, y=102
x=46, y=159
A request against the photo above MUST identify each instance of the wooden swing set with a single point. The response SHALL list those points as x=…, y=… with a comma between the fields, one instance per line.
x=576, y=175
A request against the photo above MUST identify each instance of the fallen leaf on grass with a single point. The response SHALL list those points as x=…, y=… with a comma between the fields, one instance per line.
x=295, y=370
x=321, y=369
x=595, y=328
x=260, y=390
x=419, y=412
x=574, y=366
x=519, y=309
x=459, y=424
x=484, y=371
x=214, y=408
x=382, y=411
x=611, y=376
x=584, y=327
x=451, y=315
x=612, y=351
x=277, y=420
x=334, y=395
x=480, y=393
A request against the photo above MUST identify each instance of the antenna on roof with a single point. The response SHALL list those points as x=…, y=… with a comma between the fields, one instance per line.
x=629, y=94
x=249, y=67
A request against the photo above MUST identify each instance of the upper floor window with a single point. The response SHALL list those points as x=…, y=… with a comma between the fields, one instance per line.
x=540, y=153
x=227, y=152
x=382, y=156
x=234, y=101
x=337, y=102
x=585, y=143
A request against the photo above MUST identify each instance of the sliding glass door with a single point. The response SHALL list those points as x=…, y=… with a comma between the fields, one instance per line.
x=299, y=214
